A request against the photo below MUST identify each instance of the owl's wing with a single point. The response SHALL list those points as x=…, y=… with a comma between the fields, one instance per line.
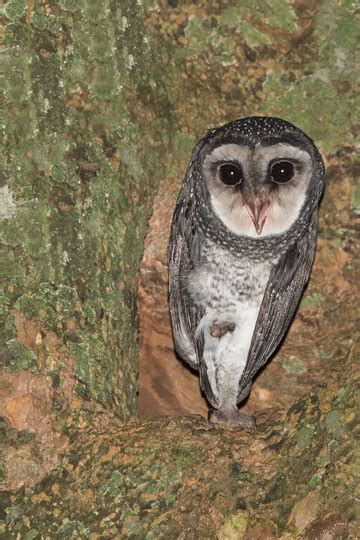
x=184, y=253
x=282, y=296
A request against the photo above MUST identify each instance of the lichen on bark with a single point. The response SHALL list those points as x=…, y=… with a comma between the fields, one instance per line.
x=103, y=101
x=179, y=477
x=80, y=165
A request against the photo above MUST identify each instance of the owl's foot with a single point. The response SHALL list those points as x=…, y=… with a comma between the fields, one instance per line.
x=219, y=330
x=232, y=418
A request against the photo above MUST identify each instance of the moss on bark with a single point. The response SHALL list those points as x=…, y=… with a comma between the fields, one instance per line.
x=184, y=478
x=81, y=142
x=103, y=99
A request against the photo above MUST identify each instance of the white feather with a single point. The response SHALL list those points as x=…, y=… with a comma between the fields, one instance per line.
x=229, y=205
x=226, y=357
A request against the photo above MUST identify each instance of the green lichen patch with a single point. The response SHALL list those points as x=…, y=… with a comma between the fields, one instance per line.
x=313, y=301
x=17, y=357
x=323, y=354
x=14, y=9
x=355, y=202
x=50, y=304
x=293, y=365
x=14, y=437
x=304, y=435
x=277, y=15
x=92, y=357
x=73, y=529
x=333, y=422
x=234, y=526
x=2, y=472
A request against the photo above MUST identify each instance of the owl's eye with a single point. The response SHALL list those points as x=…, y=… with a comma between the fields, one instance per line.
x=282, y=172
x=230, y=174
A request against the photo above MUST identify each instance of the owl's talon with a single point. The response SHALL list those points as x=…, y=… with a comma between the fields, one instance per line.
x=232, y=418
x=219, y=330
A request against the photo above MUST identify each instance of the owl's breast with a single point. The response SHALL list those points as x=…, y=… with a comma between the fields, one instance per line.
x=222, y=280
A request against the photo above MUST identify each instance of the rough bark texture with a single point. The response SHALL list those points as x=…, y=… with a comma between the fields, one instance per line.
x=104, y=100
x=183, y=478
x=83, y=128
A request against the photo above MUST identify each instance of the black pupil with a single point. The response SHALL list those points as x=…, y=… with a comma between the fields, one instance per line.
x=230, y=174
x=282, y=172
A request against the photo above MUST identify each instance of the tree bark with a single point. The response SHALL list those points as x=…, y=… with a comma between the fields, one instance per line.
x=103, y=101
x=81, y=141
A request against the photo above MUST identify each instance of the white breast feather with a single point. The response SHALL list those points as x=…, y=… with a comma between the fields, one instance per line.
x=226, y=357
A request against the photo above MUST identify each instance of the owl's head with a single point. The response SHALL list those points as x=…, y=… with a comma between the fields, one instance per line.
x=258, y=172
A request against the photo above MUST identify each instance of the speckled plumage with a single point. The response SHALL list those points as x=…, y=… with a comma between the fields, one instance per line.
x=233, y=295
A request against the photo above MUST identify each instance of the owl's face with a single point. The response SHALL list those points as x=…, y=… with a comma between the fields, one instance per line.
x=258, y=189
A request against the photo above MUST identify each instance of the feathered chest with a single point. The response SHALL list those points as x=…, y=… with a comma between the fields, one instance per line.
x=222, y=280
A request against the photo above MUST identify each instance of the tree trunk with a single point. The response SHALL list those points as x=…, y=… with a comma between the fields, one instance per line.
x=104, y=101
x=80, y=166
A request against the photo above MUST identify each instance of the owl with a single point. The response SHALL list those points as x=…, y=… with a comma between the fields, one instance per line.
x=242, y=243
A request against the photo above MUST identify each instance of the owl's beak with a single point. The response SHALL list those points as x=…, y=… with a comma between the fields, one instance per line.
x=258, y=212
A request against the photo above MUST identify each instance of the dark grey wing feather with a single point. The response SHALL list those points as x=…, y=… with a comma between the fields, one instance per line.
x=282, y=296
x=184, y=253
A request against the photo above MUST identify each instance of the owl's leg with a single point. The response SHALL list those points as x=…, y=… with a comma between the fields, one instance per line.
x=232, y=417
x=227, y=411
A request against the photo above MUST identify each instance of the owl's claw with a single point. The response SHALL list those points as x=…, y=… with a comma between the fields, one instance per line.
x=232, y=418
